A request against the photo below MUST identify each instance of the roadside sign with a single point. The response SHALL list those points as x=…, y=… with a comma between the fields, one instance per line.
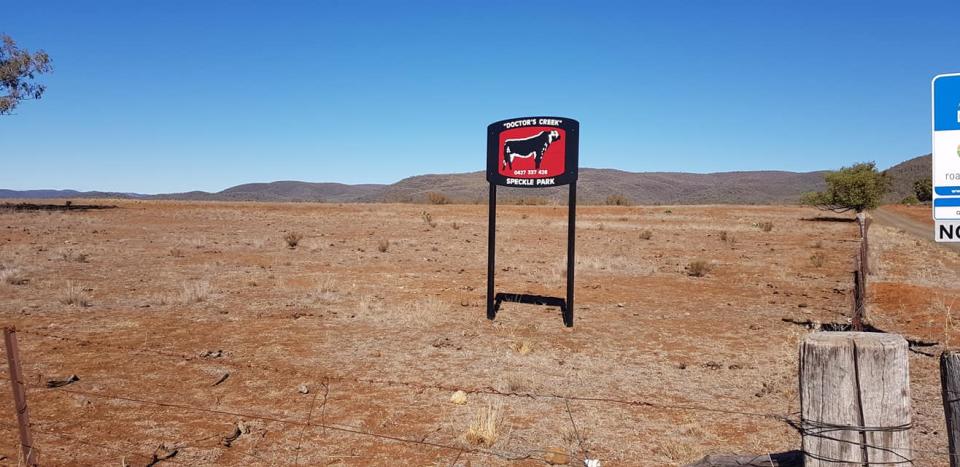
x=532, y=152
x=947, y=231
x=945, y=112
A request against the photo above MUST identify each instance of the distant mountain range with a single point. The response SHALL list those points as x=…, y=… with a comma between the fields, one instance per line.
x=594, y=186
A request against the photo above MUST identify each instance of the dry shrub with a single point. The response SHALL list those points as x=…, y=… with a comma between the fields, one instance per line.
x=292, y=239
x=326, y=290
x=12, y=276
x=72, y=256
x=383, y=246
x=646, y=234
x=817, y=259
x=522, y=347
x=459, y=398
x=455, y=226
x=427, y=219
x=195, y=292
x=176, y=252
x=74, y=295
x=486, y=425
x=617, y=200
x=698, y=268
x=437, y=198
x=765, y=226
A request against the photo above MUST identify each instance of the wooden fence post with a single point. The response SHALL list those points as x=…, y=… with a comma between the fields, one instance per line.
x=19, y=396
x=855, y=399
x=950, y=382
x=858, y=296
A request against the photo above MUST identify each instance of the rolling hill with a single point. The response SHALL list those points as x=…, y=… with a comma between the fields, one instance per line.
x=594, y=186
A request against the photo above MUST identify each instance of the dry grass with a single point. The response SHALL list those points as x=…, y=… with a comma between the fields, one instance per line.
x=459, y=398
x=74, y=295
x=195, y=292
x=292, y=239
x=74, y=256
x=698, y=268
x=13, y=276
x=765, y=226
x=383, y=245
x=646, y=234
x=427, y=219
x=817, y=259
x=485, y=429
x=522, y=347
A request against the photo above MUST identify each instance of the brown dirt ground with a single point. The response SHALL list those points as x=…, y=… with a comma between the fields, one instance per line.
x=660, y=369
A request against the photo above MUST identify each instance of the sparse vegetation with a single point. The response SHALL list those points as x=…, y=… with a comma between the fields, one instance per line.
x=292, y=239
x=617, y=200
x=74, y=295
x=698, y=268
x=195, y=292
x=427, y=219
x=383, y=245
x=437, y=198
x=176, y=252
x=765, y=226
x=817, y=259
x=522, y=347
x=12, y=276
x=72, y=256
x=910, y=200
x=485, y=428
x=646, y=234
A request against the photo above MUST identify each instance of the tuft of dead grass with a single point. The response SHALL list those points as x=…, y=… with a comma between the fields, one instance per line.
x=817, y=259
x=12, y=276
x=383, y=245
x=765, y=226
x=698, y=268
x=292, y=239
x=459, y=398
x=646, y=234
x=74, y=295
x=427, y=219
x=195, y=292
x=485, y=429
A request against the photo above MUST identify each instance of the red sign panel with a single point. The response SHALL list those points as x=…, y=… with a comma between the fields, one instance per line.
x=532, y=152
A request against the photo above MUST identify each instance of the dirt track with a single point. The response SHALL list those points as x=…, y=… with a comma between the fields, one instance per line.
x=887, y=215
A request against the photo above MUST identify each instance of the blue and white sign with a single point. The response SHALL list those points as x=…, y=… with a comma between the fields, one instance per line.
x=946, y=148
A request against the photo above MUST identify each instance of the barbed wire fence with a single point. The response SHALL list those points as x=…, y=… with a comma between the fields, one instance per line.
x=326, y=380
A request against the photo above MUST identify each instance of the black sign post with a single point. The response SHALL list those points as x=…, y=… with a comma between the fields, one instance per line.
x=532, y=152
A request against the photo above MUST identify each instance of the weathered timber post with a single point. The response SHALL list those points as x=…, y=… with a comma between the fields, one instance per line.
x=19, y=396
x=950, y=382
x=855, y=399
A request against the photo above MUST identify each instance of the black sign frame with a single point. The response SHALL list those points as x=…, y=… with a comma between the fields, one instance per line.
x=569, y=176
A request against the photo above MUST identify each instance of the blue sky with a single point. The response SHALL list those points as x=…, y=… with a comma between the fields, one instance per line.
x=164, y=96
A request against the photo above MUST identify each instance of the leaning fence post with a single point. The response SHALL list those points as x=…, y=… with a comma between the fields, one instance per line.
x=950, y=383
x=855, y=399
x=19, y=396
